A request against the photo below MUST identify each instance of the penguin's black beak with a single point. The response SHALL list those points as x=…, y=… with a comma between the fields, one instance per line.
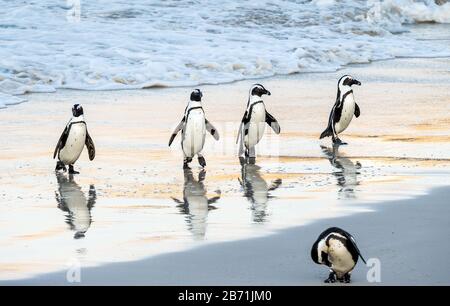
x=268, y=92
x=356, y=82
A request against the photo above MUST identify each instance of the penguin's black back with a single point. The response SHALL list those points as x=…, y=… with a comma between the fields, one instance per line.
x=349, y=243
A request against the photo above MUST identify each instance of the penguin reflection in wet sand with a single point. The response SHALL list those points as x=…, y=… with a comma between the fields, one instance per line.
x=343, y=110
x=72, y=141
x=193, y=128
x=256, y=189
x=336, y=249
x=196, y=204
x=253, y=123
x=71, y=199
x=347, y=176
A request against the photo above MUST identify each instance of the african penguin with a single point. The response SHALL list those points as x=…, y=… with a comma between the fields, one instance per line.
x=72, y=141
x=336, y=249
x=253, y=123
x=72, y=199
x=193, y=128
x=343, y=110
x=196, y=205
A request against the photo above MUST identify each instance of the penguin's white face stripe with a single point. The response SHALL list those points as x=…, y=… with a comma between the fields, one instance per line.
x=338, y=235
x=322, y=247
x=342, y=80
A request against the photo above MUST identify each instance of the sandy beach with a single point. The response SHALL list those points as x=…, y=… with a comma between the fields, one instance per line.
x=387, y=186
x=402, y=235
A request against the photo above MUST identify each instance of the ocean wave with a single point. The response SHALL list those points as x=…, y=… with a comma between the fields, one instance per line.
x=117, y=44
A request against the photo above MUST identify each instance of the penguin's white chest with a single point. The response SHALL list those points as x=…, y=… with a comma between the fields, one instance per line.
x=348, y=109
x=257, y=125
x=194, y=133
x=340, y=258
x=74, y=144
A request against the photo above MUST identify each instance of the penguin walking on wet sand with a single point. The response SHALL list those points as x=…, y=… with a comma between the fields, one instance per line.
x=253, y=124
x=343, y=110
x=193, y=129
x=336, y=249
x=72, y=141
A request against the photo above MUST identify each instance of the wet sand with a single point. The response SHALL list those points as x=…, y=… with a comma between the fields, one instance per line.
x=404, y=236
x=130, y=203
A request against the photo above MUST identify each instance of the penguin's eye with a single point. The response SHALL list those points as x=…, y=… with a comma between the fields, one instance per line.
x=347, y=81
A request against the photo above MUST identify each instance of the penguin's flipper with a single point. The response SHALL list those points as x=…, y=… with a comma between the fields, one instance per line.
x=177, y=129
x=62, y=141
x=357, y=111
x=243, y=121
x=90, y=146
x=337, y=112
x=243, y=130
x=211, y=129
x=273, y=123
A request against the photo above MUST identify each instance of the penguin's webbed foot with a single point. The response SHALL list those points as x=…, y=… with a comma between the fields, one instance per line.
x=60, y=166
x=202, y=161
x=72, y=170
x=331, y=278
x=346, y=278
x=338, y=142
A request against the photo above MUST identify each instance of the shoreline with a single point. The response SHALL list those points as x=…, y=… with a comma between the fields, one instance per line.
x=272, y=77
x=398, y=150
x=282, y=258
